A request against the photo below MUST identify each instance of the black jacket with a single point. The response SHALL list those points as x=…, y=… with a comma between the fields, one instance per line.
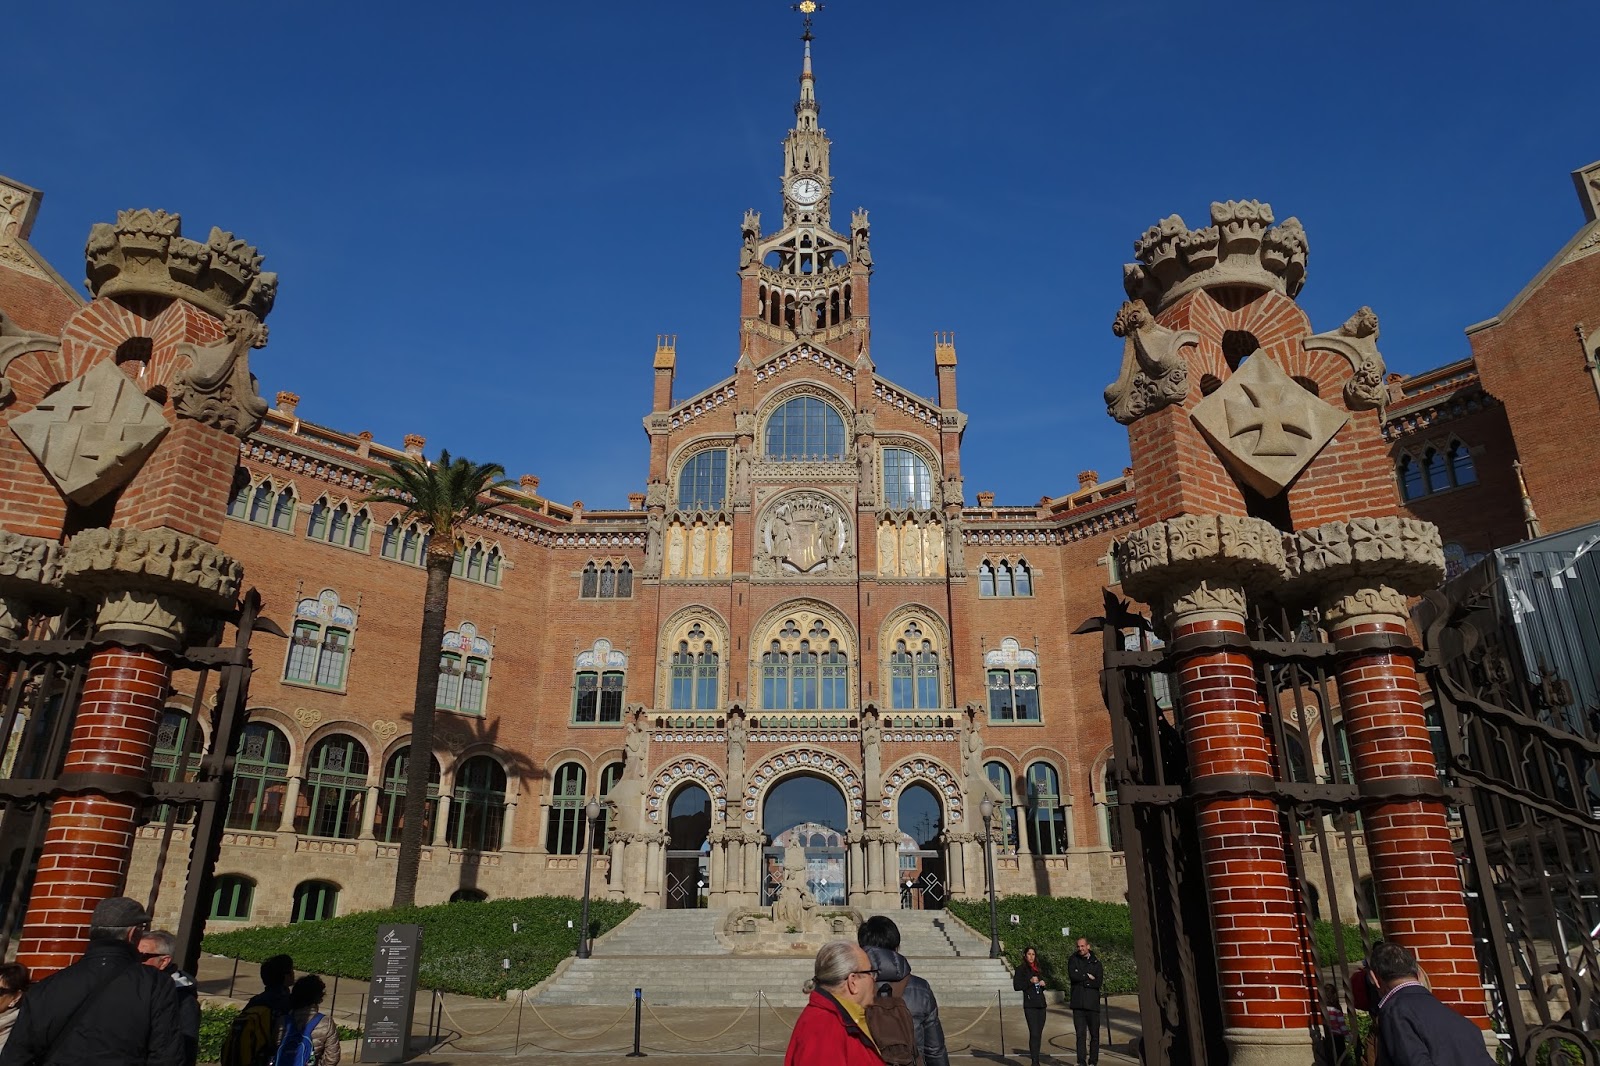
x=1414, y=1027
x=920, y=1000
x=1088, y=977
x=1021, y=980
x=188, y=1008
x=132, y=1021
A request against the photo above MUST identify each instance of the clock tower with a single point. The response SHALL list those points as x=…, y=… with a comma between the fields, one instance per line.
x=806, y=281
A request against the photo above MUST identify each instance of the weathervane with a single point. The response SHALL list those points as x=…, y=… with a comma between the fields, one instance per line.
x=807, y=8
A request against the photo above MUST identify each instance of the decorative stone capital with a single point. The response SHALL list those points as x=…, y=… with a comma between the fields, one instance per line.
x=145, y=253
x=1154, y=372
x=1363, y=566
x=150, y=581
x=1238, y=248
x=30, y=573
x=1201, y=563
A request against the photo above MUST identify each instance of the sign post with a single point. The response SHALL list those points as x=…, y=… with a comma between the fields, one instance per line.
x=391, y=1000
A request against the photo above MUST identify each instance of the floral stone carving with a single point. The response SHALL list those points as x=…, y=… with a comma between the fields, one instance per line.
x=1264, y=426
x=30, y=570
x=1357, y=341
x=1201, y=562
x=218, y=388
x=150, y=580
x=92, y=435
x=803, y=534
x=1154, y=371
x=1364, y=566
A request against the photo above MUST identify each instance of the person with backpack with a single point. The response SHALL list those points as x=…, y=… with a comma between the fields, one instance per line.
x=309, y=1036
x=832, y=1029
x=1029, y=980
x=1087, y=977
x=257, y=1029
x=900, y=991
x=105, y=1008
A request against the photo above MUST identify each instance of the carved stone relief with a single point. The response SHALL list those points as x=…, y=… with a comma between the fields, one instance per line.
x=804, y=534
x=218, y=388
x=149, y=580
x=698, y=548
x=1265, y=426
x=1154, y=371
x=1364, y=565
x=92, y=435
x=30, y=571
x=911, y=547
x=144, y=252
x=1357, y=342
x=1201, y=562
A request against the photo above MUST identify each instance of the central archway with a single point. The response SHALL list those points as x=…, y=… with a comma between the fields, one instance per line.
x=688, y=847
x=807, y=812
x=923, y=881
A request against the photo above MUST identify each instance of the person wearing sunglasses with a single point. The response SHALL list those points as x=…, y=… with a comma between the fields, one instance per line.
x=832, y=1030
x=13, y=982
x=155, y=948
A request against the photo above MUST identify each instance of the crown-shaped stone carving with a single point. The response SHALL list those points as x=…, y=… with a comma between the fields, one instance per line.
x=1240, y=247
x=145, y=253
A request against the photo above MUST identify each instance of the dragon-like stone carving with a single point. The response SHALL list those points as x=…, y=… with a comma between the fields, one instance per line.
x=218, y=388
x=1154, y=371
x=1357, y=342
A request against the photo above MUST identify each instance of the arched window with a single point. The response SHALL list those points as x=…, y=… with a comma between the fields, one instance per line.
x=1002, y=579
x=1047, y=822
x=491, y=569
x=239, y=502
x=703, y=483
x=1013, y=677
x=315, y=901
x=1436, y=470
x=598, y=685
x=1411, y=485
x=567, y=800
x=1113, y=821
x=608, y=582
x=624, y=581
x=985, y=579
x=589, y=586
x=261, y=503
x=391, y=814
x=319, y=650
x=1462, y=472
x=1022, y=578
x=260, y=779
x=179, y=744
x=232, y=896
x=391, y=540
x=694, y=675
x=907, y=481
x=412, y=544
x=478, y=805
x=335, y=789
x=283, y=511
x=805, y=670
x=1000, y=777
x=317, y=524
x=914, y=672
x=463, y=670
x=805, y=428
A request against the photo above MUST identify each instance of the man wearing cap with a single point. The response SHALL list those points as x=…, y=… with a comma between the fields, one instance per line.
x=106, y=1008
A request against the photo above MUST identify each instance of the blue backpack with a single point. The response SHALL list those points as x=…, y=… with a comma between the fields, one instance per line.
x=295, y=1049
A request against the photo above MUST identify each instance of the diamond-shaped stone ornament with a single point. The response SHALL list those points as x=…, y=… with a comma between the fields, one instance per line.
x=92, y=434
x=1265, y=426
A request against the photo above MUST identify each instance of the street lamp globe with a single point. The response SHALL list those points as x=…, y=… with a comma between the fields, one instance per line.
x=986, y=808
x=592, y=809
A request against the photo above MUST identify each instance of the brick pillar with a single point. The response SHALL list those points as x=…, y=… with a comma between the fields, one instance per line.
x=1362, y=570
x=1196, y=570
x=146, y=586
x=90, y=838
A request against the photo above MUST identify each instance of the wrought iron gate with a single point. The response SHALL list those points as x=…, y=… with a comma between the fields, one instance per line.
x=41, y=683
x=1531, y=761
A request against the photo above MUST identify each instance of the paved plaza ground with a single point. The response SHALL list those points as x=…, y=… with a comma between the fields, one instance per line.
x=486, y=1032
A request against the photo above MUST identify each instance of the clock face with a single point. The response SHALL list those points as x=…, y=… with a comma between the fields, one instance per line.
x=806, y=191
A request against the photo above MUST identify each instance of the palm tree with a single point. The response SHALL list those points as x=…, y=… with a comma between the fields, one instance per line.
x=445, y=495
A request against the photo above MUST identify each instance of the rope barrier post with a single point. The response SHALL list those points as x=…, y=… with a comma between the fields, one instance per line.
x=999, y=999
x=759, y=997
x=235, y=978
x=1105, y=1012
x=638, y=1017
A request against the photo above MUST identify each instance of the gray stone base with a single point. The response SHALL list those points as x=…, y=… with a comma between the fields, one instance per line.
x=1269, y=1047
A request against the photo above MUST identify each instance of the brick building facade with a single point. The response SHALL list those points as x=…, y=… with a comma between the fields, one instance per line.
x=801, y=626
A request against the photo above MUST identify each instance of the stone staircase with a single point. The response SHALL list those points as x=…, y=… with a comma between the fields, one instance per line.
x=675, y=957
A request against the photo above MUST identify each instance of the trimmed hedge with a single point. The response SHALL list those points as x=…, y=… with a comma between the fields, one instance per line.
x=463, y=944
x=1109, y=927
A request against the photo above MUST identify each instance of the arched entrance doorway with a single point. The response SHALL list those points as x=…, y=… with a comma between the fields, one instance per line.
x=688, y=847
x=807, y=812
x=923, y=880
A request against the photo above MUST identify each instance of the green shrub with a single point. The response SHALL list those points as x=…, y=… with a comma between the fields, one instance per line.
x=1109, y=927
x=216, y=1021
x=463, y=944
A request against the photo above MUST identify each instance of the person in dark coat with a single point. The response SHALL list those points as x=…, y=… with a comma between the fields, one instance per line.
x=1087, y=977
x=881, y=939
x=1414, y=1028
x=105, y=1008
x=1029, y=980
x=156, y=948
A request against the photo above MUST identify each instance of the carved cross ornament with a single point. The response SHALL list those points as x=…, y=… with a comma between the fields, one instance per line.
x=1265, y=426
x=92, y=435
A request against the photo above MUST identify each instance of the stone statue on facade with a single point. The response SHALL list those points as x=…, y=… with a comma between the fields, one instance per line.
x=975, y=778
x=628, y=793
x=741, y=473
x=738, y=735
x=872, y=764
x=795, y=906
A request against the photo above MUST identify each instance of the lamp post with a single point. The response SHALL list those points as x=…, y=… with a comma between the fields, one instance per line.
x=592, y=810
x=986, y=808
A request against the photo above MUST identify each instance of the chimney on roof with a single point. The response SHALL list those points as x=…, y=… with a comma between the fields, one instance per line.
x=364, y=449
x=985, y=499
x=635, y=501
x=1088, y=479
x=577, y=510
x=529, y=484
x=414, y=445
x=287, y=402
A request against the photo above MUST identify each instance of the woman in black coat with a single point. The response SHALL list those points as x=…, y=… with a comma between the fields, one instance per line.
x=1029, y=980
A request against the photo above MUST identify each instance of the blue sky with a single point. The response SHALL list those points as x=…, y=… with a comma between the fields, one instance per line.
x=483, y=214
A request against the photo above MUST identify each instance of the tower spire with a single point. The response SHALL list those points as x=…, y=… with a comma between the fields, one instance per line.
x=806, y=182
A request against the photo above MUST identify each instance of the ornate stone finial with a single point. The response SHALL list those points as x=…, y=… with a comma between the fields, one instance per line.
x=287, y=402
x=145, y=253
x=1357, y=342
x=1088, y=479
x=577, y=510
x=528, y=483
x=414, y=444
x=944, y=349
x=1154, y=372
x=1265, y=426
x=858, y=221
x=752, y=224
x=1238, y=248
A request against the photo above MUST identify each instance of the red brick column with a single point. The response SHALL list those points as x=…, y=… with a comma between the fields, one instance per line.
x=90, y=839
x=1408, y=841
x=1261, y=962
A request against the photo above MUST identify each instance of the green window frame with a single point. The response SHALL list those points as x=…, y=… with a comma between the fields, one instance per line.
x=335, y=789
x=260, y=779
x=391, y=813
x=232, y=898
x=314, y=901
x=564, y=835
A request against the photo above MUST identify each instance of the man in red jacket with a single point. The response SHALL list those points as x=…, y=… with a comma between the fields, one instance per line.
x=832, y=1030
